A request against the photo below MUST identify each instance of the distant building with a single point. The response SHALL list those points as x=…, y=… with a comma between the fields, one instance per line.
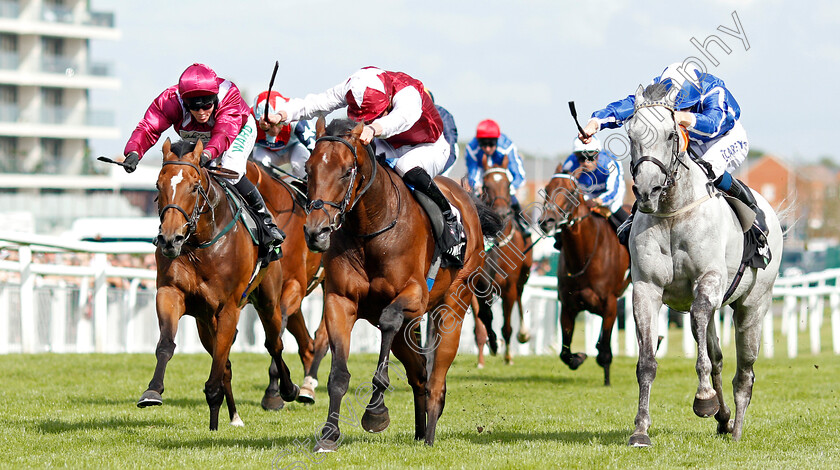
x=46, y=75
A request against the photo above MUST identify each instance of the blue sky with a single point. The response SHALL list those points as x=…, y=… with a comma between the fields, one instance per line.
x=518, y=62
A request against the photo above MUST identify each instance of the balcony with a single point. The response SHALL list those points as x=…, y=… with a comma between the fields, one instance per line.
x=9, y=112
x=58, y=115
x=69, y=67
x=60, y=14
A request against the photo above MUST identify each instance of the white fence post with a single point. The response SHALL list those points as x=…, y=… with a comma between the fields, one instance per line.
x=27, y=301
x=4, y=320
x=814, y=321
x=689, y=347
x=100, y=303
x=792, y=323
x=661, y=321
x=835, y=323
x=58, y=319
x=631, y=346
x=767, y=334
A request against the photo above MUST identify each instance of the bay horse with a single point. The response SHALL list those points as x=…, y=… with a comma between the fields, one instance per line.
x=378, y=248
x=509, y=260
x=592, y=269
x=302, y=274
x=205, y=264
x=686, y=247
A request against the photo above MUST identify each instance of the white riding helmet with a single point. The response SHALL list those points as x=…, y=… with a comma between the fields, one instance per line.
x=590, y=150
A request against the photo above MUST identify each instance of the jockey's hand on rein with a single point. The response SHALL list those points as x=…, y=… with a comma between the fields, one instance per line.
x=205, y=159
x=131, y=161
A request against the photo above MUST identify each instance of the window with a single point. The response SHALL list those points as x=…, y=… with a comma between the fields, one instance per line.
x=52, y=160
x=10, y=160
x=9, y=58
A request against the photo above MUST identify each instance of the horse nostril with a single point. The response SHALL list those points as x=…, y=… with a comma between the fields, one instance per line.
x=179, y=239
x=160, y=241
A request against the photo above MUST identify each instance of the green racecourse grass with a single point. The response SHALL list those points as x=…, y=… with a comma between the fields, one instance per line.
x=79, y=411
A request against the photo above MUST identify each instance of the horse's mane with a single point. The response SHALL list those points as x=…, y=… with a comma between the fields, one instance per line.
x=182, y=147
x=340, y=127
x=656, y=92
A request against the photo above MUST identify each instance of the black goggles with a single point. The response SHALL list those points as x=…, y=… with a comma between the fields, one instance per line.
x=204, y=103
x=487, y=142
x=588, y=155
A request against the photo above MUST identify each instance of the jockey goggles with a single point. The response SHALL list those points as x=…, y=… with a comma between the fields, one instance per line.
x=204, y=103
x=588, y=155
x=487, y=142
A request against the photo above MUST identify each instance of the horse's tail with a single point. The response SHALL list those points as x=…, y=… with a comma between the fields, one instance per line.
x=491, y=222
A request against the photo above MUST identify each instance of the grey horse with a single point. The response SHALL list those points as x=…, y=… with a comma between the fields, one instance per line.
x=685, y=247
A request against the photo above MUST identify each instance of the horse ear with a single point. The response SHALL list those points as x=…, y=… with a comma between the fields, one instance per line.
x=199, y=147
x=167, y=145
x=320, y=127
x=357, y=131
x=639, y=92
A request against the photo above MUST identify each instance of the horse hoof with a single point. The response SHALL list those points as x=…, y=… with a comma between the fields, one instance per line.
x=325, y=445
x=523, y=337
x=150, y=398
x=639, y=440
x=576, y=360
x=725, y=427
x=272, y=402
x=307, y=391
x=479, y=366
x=706, y=407
x=375, y=422
x=236, y=421
x=295, y=394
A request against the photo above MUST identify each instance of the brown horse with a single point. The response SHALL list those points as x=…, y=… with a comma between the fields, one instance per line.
x=205, y=265
x=592, y=271
x=507, y=262
x=379, y=249
x=302, y=274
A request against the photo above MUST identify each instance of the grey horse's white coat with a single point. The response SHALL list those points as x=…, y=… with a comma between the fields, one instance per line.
x=686, y=246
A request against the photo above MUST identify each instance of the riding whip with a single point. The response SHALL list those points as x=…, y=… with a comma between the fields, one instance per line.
x=108, y=160
x=270, y=85
x=574, y=116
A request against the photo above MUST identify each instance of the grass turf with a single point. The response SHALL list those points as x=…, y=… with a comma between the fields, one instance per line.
x=79, y=411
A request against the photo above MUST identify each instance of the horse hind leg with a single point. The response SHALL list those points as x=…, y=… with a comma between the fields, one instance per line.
x=604, y=346
x=747, y=343
x=306, y=348
x=235, y=419
x=411, y=355
x=567, y=327
x=214, y=388
x=507, y=328
x=480, y=333
x=271, y=400
x=716, y=357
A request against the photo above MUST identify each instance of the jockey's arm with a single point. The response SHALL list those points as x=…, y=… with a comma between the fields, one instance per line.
x=408, y=107
x=312, y=105
x=709, y=123
x=159, y=117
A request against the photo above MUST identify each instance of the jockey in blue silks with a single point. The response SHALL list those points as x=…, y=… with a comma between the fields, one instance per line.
x=709, y=112
x=601, y=180
x=489, y=141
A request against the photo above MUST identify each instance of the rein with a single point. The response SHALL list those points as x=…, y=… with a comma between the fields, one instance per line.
x=568, y=223
x=676, y=151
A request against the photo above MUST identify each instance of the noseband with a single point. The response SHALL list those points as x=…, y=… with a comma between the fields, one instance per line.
x=491, y=201
x=562, y=210
x=343, y=209
x=191, y=219
x=670, y=171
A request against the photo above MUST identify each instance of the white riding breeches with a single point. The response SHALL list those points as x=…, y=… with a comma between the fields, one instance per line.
x=236, y=156
x=430, y=157
x=725, y=153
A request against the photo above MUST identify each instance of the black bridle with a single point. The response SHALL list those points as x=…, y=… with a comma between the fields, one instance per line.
x=491, y=201
x=670, y=171
x=191, y=219
x=345, y=205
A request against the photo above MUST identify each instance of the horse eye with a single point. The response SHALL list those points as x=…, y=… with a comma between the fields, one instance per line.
x=348, y=173
x=195, y=188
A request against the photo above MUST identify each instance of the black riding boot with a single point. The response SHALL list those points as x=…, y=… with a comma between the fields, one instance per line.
x=520, y=220
x=623, y=231
x=451, y=237
x=741, y=192
x=617, y=218
x=254, y=199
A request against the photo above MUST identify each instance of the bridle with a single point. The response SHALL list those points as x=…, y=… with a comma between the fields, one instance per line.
x=677, y=150
x=191, y=219
x=345, y=205
x=505, y=199
x=562, y=210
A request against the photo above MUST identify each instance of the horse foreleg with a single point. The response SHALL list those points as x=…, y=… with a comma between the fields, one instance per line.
x=524, y=335
x=702, y=309
x=716, y=357
x=170, y=308
x=415, y=369
x=214, y=390
x=604, y=346
x=747, y=343
x=507, y=327
x=205, y=334
x=391, y=320
x=485, y=314
x=340, y=315
x=567, y=328
x=647, y=300
x=306, y=349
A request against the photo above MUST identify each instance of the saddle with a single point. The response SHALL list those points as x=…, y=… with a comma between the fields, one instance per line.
x=242, y=212
x=755, y=255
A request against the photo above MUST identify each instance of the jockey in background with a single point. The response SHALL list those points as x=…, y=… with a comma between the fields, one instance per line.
x=601, y=179
x=401, y=116
x=281, y=144
x=709, y=112
x=204, y=106
x=490, y=142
